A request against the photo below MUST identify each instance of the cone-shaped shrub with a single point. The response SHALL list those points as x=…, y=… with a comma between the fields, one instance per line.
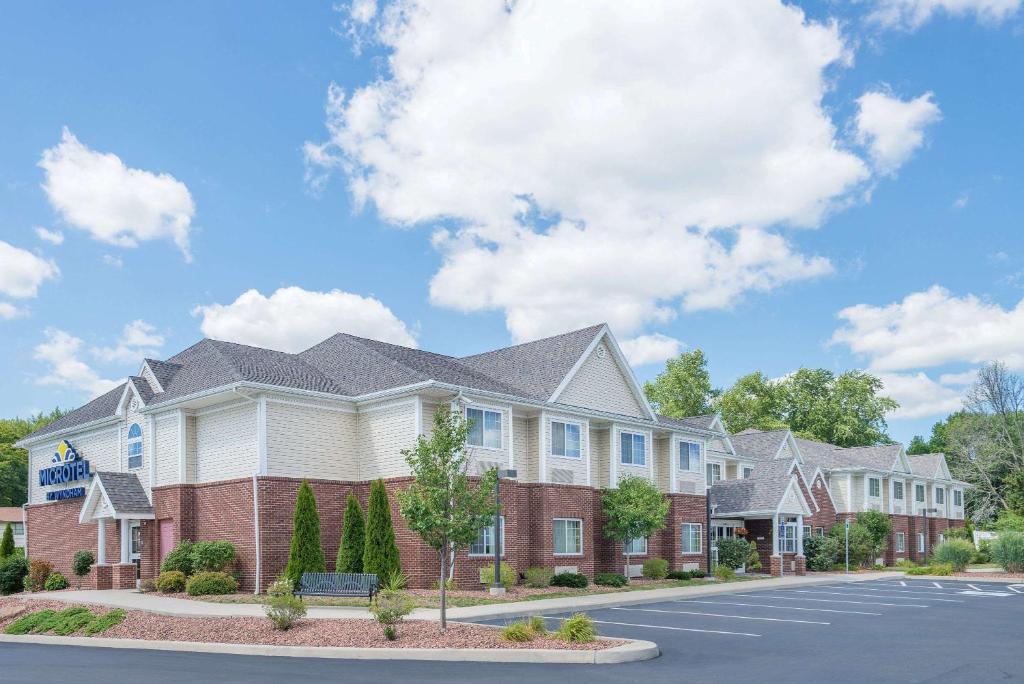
x=7, y=545
x=380, y=555
x=353, y=538
x=306, y=553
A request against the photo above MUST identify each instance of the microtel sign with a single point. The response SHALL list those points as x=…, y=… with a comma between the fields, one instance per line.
x=69, y=467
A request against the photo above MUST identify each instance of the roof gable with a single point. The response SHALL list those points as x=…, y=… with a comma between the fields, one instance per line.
x=602, y=380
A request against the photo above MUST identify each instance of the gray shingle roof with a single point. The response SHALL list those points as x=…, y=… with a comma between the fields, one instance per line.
x=142, y=387
x=758, y=445
x=762, y=491
x=103, y=406
x=829, y=457
x=926, y=465
x=125, y=492
x=163, y=370
x=699, y=422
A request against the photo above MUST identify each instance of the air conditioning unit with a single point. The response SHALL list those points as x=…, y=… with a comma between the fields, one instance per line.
x=561, y=476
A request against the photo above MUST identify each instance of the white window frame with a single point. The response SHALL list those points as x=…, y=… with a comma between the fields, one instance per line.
x=707, y=475
x=819, y=531
x=689, y=455
x=482, y=532
x=133, y=442
x=939, y=493
x=924, y=493
x=579, y=440
x=483, y=427
x=554, y=532
x=632, y=449
x=877, y=482
x=683, y=537
x=747, y=471
x=895, y=484
x=920, y=542
x=958, y=498
x=789, y=538
x=900, y=542
x=631, y=547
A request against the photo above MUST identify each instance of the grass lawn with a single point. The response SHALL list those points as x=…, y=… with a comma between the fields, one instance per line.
x=461, y=599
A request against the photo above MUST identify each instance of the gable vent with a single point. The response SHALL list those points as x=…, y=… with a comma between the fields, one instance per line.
x=561, y=476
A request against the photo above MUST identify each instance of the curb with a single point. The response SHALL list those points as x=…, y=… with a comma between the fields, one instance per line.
x=632, y=651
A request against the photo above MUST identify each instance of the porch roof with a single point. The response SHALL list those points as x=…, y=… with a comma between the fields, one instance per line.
x=116, y=495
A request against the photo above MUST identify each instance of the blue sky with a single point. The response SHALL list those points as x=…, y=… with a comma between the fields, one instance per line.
x=730, y=177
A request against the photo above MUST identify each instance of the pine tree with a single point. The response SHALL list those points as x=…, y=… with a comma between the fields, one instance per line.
x=353, y=536
x=7, y=545
x=380, y=555
x=306, y=553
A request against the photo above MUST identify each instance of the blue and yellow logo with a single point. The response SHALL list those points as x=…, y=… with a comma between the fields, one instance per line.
x=65, y=453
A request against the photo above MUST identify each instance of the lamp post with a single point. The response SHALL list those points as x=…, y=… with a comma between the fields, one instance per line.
x=498, y=588
x=709, y=511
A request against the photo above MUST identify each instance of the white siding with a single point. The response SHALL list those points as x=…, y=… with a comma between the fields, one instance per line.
x=571, y=470
x=311, y=441
x=484, y=458
x=191, y=453
x=601, y=384
x=599, y=450
x=645, y=471
x=166, y=450
x=383, y=433
x=532, y=466
x=521, y=447
x=98, y=447
x=840, y=492
x=791, y=503
x=688, y=481
x=226, y=443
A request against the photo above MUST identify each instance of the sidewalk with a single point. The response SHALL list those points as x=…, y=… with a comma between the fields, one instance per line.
x=155, y=603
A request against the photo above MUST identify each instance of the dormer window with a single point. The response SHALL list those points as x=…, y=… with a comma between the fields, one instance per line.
x=134, y=447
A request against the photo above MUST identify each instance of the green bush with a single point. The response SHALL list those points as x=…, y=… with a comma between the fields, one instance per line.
x=578, y=629
x=519, y=632
x=179, y=559
x=732, y=552
x=210, y=583
x=724, y=573
x=56, y=582
x=1008, y=521
x=753, y=557
x=679, y=575
x=104, y=622
x=861, y=544
x=62, y=623
x=698, y=574
x=821, y=552
x=38, y=571
x=573, y=580
x=380, y=554
x=538, y=578
x=449, y=584
x=879, y=527
x=956, y=552
x=7, y=543
x=171, y=582
x=905, y=563
x=959, y=533
x=353, y=538
x=509, y=576
x=937, y=569
x=389, y=608
x=282, y=606
x=13, y=570
x=984, y=552
x=655, y=568
x=212, y=556
x=610, y=579
x=537, y=626
x=82, y=564
x=1008, y=551
x=305, y=554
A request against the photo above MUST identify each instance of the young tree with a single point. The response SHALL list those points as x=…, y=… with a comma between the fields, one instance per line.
x=442, y=505
x=380, y=552
x=353, y=538
x=81, y=564
x=879, y=527
x=7, y=544
x=684, y=387
x=634, y=510
x=754, y=401
x=306, y=554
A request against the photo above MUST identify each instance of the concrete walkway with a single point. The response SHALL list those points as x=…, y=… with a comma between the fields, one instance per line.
x=166, y=605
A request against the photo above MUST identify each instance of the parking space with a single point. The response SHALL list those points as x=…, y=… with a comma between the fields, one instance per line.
x=887, y=630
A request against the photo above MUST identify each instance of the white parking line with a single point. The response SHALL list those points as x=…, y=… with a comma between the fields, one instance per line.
x=759, y=605
x=902, y=583
x=937, y=585
x=951, y=592
x=720, y=615
x=678, y=629
x=864, y=603
x=901, y=598
x=974, y=587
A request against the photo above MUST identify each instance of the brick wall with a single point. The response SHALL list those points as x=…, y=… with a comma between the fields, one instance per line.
x=56, y=535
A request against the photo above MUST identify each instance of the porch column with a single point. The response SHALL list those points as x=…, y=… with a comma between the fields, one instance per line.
x=776, y=542
x=101, y=541
x=126, y=542
x=800, y=535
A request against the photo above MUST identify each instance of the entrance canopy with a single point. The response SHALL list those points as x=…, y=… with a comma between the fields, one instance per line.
x=116, y=495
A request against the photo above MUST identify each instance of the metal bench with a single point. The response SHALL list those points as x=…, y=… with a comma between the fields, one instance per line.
x=338, y=584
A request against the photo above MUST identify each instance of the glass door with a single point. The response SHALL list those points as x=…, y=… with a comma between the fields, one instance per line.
x=136, y=547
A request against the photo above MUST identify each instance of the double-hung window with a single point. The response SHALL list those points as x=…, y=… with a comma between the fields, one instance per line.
x=17, y=529
x=958, y=498
x=713, y=473
x=689, y=457
x=807, y=531
x=789, y=538
x=940, y=496
x=897, y=491
x=565, y=439
x=484, y=428
x=636, y=547
x=747, y=472
x=919, y=493
x=901, y=542
x=632, y=449
x=692, y=538
x=920, y=542
x=484, y=544
x=134, y=447
x=568, y=534
x=874, y=487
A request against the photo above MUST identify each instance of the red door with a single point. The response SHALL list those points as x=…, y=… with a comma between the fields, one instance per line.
x=166, y=538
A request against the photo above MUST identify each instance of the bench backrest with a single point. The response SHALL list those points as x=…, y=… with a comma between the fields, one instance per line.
x=338, y=582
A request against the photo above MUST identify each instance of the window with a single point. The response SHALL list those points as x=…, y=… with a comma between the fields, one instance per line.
x=713, y=472
x=17, y=529
x=485, y=428
x=689, y=456
x=632, y=449
x=874, y=487
x=919, y=493
x=958, y=498
x=920, y=542
x=722, y=532
x=134, y=447
x=897, y=491
x=636, y=547
x=568, y=536
x=901, y=542
x=788, y=538
x=819, y=531
x=807, y=531
x=940, y=496
x=693, y=538
x=484, y=544
x=565, y=439
x=747, y=472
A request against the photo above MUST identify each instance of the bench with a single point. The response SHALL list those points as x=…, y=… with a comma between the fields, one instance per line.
x=338, y=584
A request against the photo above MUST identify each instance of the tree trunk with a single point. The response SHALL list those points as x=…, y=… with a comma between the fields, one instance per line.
x=444, y=578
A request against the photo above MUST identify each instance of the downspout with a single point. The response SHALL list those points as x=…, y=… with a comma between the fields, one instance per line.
x=256, y=531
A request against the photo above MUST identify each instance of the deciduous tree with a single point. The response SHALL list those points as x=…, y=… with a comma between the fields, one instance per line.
x=633, y=510
x=684, y=387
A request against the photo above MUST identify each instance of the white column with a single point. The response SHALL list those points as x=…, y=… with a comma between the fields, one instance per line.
x=126, y=542
x=800, y=535
x=776, y=546
x=101, y=541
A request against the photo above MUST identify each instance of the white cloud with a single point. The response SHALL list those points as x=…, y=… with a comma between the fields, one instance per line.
x=962, y=201
x=577, y=191
x=22, y=272
x=647, y=349
x=893, y=129
x=912, y=14
x=61, y=352
x=113, y=260
x=919, y=396
x=54, y=237
x=116, y=204
x=9, y=311
x=139, y=340
x=293, y=319
x=959, y=379
x=932, y=328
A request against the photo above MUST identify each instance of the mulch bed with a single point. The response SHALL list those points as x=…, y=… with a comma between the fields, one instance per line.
x=320, y=632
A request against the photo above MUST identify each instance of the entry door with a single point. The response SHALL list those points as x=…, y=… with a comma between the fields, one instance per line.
x=135, y=555
x=166, y=538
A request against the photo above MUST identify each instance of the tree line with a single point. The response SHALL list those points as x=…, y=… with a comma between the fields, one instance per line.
x=14, y=461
